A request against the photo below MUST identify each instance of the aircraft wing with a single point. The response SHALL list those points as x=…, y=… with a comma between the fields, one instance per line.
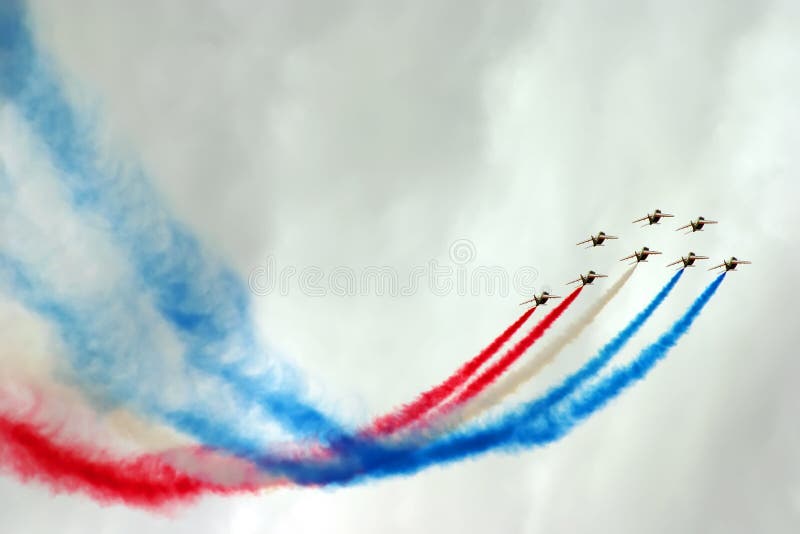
x=527, y=301
x=683, y=227
x=716, y=266
x=642, y=219
x=587, y=241
x=572, y=282
x=628, y=257
x=675, y=262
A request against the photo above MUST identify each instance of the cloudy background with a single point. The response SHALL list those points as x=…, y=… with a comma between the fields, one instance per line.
x=368, y=133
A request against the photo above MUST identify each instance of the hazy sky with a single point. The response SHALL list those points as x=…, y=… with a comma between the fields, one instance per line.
x=377, y=134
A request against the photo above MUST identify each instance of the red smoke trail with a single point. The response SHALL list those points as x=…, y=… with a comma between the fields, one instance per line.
x=145, y=480
x=33, y=453
x=500, y=366
x=409, y=413
x=148, y=481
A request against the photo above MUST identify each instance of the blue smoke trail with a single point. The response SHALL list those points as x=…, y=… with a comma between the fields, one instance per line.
x=205, y=301
x=597, y=396
x=535, y=423
x=142, y=377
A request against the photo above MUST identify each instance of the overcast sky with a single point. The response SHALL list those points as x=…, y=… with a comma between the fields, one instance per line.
x=363, y=134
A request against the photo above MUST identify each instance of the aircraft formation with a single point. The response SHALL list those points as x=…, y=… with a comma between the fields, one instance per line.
x=642, y=255
x=257, y=430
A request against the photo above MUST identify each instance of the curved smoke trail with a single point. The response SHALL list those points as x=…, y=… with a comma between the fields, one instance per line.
x=537, y=422
x=358, y=459
x=146, y=481
x=203, y=300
